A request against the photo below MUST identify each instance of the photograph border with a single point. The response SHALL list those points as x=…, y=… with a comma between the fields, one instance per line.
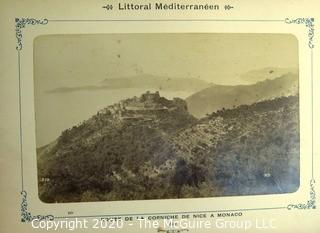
x=22, y=23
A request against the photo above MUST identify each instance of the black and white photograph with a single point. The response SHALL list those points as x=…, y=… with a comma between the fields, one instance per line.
x=147, y=116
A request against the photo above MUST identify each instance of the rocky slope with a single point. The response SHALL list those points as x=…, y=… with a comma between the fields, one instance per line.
x=115, y=155
x=149, y=147
x=251, y=149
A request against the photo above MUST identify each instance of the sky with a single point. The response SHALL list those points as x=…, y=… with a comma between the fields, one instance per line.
x=81, y=60
x=75, y=60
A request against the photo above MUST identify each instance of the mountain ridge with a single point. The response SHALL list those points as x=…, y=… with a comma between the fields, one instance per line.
x=217, y=97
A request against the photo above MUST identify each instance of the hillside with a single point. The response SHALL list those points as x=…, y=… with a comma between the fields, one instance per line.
x=217, y=97
x=116, y=154
x=252, y=149
x=149, y=147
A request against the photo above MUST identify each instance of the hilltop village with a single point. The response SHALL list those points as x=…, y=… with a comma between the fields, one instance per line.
x=148, y=107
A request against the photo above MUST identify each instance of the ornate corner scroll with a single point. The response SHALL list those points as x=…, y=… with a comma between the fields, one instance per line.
x=26, y=216
x=21, y=23
x=309, y=23
x=311, y=203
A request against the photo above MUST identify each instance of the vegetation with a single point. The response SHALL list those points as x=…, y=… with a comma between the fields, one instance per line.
x=251, y=149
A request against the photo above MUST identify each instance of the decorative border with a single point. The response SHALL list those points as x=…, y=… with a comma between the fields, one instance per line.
x=311, y=204
x=20, y=23
x=27, y=216
x=309, y=23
